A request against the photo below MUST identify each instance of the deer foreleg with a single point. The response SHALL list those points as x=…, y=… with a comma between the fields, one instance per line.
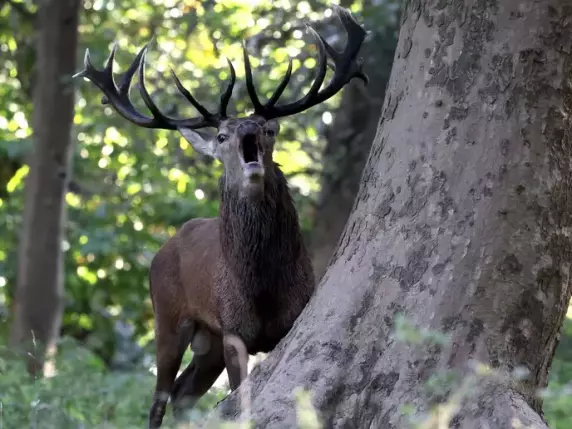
x=170, y=347
x=236, y=360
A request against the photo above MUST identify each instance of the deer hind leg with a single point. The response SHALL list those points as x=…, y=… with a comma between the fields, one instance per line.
x=205, y=367
x=170, y=347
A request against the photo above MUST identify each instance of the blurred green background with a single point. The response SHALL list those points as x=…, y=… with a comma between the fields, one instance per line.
x=131, y=187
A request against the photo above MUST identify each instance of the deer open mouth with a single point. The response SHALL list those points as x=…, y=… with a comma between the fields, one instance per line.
x=249, y=149
x=253, y=169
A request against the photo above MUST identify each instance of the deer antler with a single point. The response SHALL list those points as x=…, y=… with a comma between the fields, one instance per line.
x=118, y=96
x=345, y=65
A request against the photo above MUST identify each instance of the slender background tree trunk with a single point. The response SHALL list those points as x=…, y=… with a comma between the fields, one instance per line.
x=349, y=141
x=461, y=224
x=40, y=268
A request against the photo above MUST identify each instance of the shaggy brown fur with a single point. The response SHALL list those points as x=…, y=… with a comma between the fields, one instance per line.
x=266, y=278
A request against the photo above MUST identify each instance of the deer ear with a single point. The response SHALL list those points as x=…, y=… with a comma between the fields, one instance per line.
x=198, y=142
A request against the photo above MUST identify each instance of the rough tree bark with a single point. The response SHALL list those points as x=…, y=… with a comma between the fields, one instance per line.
x=38, y=307
x=462, y=223
x=348, y=143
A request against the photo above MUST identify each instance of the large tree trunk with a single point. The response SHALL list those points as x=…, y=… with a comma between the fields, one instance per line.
x=40, y=267
x=349, y=142
x=462, y=223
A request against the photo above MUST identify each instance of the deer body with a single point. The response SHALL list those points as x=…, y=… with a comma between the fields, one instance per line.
x=246, y=272
x=232, y=285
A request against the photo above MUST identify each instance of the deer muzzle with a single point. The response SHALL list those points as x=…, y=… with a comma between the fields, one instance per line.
x=251, y=154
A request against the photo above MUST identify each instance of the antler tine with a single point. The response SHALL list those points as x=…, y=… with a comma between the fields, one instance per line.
x=143, y=90
x=225, y=97
x=109, y=68
x=118, y=96
x=356, y=33
x=356, y=36
x=282, y=86
x=186, y=93
x=125, y=81
x=322, y=66
x=249, y=82
x=345, y=65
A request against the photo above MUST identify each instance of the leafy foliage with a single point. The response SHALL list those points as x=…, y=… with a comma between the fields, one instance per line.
x=133, y=187
x=558, y=395
x=445, y=390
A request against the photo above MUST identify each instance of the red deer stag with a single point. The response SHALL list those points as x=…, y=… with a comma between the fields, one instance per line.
x=245, y=274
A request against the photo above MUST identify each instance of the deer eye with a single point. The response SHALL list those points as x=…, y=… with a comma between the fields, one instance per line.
x=221, y=138
x=270, y=133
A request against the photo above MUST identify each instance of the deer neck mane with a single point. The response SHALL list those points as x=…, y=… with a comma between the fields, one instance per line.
x=260, y=236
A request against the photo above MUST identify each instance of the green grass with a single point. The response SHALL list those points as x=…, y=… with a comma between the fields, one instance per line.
x=82, y=394
x=85, y=394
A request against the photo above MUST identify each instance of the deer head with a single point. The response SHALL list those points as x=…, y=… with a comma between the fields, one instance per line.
x=244, y=145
